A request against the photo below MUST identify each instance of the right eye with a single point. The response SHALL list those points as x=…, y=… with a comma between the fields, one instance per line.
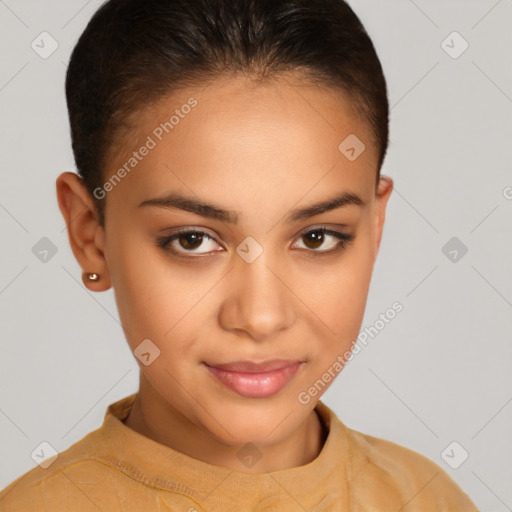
x=187, y=241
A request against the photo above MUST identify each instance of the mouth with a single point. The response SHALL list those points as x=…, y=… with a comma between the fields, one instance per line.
x=255, y=379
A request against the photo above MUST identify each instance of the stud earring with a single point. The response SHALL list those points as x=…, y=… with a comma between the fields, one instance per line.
x=92, y=276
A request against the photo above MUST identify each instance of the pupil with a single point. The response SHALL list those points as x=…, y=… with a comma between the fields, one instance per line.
x=191, y=240
x=317, y=237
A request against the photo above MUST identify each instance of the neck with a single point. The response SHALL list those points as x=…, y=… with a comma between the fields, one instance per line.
x=151, y=417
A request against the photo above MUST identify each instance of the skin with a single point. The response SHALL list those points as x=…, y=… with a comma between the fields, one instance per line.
x=261, y=150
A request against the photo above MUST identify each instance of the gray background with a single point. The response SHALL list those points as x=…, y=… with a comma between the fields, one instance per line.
x=438, y=372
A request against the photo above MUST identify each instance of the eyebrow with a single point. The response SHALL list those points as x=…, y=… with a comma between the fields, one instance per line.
x=177, y=201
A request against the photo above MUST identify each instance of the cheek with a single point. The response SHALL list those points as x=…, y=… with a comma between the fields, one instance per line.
x=153, y=297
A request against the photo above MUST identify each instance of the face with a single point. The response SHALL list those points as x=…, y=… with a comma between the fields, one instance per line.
x=216, y=253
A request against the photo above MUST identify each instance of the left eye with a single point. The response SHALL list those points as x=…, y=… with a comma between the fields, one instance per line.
x=316, y=237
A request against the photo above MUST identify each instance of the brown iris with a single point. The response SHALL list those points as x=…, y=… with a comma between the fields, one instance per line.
x=315, y=237
x=191, y=241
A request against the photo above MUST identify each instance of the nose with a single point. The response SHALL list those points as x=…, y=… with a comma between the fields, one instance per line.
x=258, y=303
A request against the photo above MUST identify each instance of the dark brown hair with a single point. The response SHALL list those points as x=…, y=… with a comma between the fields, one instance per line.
x=133, y=52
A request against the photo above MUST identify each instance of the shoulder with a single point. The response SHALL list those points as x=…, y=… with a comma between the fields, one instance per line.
x=382, y=470
x=60, y=486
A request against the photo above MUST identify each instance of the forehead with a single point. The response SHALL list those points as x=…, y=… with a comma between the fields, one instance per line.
x=235, y=138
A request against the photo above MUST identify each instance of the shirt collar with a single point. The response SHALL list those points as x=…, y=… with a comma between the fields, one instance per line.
x=316, y=484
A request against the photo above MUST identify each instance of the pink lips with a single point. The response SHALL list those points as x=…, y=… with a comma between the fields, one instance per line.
x=255, y=380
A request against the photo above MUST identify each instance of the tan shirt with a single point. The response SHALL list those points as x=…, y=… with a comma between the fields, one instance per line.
x=116, y=469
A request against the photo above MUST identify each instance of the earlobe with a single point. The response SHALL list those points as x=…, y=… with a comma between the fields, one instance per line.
x=384, y=189
x=84, y=231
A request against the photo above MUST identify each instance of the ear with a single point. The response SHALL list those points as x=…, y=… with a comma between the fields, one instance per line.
x=86, y=236
x=384, y=189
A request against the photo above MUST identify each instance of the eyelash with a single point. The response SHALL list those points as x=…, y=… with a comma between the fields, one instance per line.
x=344, y=239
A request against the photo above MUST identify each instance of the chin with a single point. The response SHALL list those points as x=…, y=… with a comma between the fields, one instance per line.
x=263, y=423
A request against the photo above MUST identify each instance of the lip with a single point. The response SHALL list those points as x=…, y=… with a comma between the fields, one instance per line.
x=254, y=366
x=255, y=380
